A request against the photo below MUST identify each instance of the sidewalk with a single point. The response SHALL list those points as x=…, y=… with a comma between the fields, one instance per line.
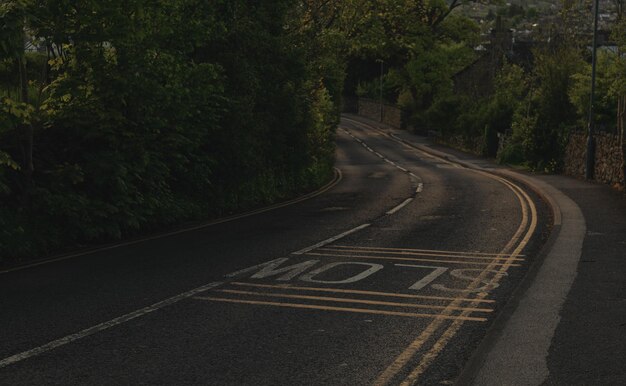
x=567, y=323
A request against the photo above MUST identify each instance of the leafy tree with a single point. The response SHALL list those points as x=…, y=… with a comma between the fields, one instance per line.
x=155, y=112
x=605, y=105
x=618, y=70
x=16, y=114
x=543, y=124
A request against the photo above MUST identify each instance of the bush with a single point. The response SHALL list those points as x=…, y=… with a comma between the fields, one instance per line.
x=177, y=111
x=512, y=154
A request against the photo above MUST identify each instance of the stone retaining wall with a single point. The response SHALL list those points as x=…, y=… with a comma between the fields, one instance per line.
x=470, y=145
x=392, y=115
x=609, y=159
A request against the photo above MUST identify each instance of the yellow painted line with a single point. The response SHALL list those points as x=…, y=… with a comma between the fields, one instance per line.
x=360, y=292
x=423, y=251
x=400, y=362
x=332, y=249
x=452, y=330
x=340, y=309
x=336, y=180
x=392, y=370
x=347, y=300
x=510, y=250
x=408, y=259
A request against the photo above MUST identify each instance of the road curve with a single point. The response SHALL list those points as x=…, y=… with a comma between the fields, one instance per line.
x=390, y=277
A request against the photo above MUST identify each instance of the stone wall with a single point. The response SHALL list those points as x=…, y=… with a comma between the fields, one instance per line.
x=392, y=115
x=609, y=159
x=468, y=145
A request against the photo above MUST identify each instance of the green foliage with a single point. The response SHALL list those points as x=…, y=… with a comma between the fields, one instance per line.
x=468, y=119
x=542, y=122
x=512, y=154
x=553, y=109
x=605, y=105
x=534, y=111
x=12, y=14
x=149, y=113
x=618, y=70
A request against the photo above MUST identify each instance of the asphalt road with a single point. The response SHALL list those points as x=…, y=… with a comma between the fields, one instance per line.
x=390, y=277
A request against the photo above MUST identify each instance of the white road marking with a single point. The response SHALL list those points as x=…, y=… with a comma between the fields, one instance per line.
x=397, y=208
x=490, y=284
x=420, y=188
x=373, y=268
x=330, y=240
x=289, y=272
x=366, y=146
x=104, y=326
x=418, y=285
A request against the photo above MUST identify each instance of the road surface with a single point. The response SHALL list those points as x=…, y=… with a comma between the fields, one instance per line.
x=391, y=276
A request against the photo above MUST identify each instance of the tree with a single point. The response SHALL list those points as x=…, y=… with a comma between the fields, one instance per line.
x=17, y=114
x=618, y=88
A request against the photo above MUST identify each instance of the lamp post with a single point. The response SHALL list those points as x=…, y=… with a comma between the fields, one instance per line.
x=591, y=144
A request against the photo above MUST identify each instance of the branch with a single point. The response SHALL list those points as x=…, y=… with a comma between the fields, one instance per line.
x=455, y=4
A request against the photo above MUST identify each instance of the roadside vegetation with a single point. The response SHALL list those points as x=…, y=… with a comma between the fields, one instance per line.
x=125, y=116
x=122, y=117
x=535, y=105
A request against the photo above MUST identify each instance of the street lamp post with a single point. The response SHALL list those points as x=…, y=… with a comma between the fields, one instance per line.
x=591, y=144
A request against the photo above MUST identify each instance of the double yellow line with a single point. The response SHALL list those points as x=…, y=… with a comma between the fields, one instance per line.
x=500, y=266
x=368, y=302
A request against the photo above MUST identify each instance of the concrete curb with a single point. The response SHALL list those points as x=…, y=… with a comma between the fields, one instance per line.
x=495, y=331
x=529, y=318
x=517, y=350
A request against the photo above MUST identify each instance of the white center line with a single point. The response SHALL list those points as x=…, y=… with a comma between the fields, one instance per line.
x=103, y=326
x=330, y=240
x=397, y=208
